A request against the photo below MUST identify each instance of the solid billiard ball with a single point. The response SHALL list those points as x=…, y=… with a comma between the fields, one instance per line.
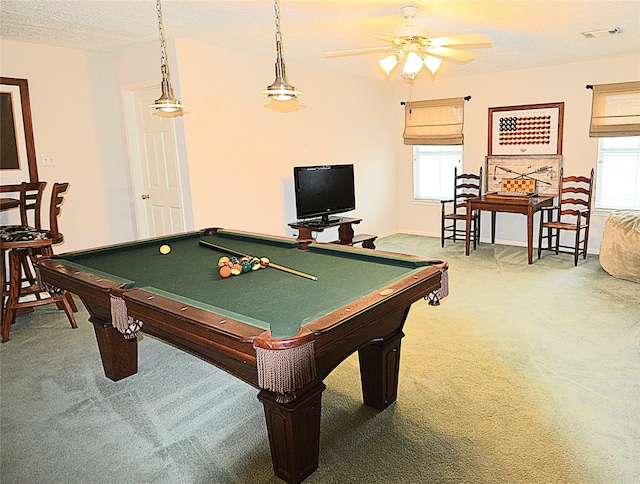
x=165, y=249
x=225, y=271
x=246, y=266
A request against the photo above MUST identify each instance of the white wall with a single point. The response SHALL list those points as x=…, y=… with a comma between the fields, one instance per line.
x=76, y=118
x=242, y=147
x=562, y=83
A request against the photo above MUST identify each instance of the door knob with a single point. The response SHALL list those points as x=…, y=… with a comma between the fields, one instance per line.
x=144, y=196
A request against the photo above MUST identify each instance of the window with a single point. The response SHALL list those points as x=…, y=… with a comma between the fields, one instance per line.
x=618, y=177
x=433, y=171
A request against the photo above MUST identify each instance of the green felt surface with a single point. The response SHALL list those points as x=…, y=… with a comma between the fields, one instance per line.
x=267, y=298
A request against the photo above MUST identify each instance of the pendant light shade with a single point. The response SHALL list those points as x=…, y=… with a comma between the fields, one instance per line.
x=412, y=65
x=388, y=64
x=166, y=103
x=280, y=90
x=432, y=63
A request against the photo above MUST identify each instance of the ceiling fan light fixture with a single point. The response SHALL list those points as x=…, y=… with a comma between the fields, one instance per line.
x=432, y=63
x=412, y=65
x=412, y=47
x=388, y=64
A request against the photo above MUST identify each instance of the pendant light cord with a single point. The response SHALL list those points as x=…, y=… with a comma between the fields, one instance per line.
x=276, y=7
x=163, y=48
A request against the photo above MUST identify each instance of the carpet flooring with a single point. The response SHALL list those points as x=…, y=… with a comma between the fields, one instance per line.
x=524, y=374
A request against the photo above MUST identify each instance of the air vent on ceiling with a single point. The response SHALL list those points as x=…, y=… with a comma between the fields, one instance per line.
x=602, y=33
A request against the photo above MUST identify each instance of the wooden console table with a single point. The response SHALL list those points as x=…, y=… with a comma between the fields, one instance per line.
x=345, y=231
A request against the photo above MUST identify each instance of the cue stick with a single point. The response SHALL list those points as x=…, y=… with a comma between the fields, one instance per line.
x=271, y=264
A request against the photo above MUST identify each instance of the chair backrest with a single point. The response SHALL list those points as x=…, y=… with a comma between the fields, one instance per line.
x=575, y=196
x=30, y=203
x=466, y=185
x=54, y=210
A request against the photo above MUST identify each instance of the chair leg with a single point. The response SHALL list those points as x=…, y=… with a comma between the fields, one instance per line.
x=72, y=303
x=15, y=276
x=66, y=307
x=476, y=231
x=3, y=266
x=576, y=247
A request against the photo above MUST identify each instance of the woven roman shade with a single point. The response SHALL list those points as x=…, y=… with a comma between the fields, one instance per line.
x=615, y=110
x=436, y=122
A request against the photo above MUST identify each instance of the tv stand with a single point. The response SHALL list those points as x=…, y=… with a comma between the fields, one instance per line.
x=345, y=230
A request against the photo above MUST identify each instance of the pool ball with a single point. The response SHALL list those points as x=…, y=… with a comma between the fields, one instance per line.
x=246, y=266
x=236, y=269
x=225, y=271
x=165, y=249
x=255, y=264
x=264, y=261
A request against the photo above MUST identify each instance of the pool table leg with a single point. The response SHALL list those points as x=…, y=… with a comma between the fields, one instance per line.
x=379, y=368
x=294, y=433
x=119, y=356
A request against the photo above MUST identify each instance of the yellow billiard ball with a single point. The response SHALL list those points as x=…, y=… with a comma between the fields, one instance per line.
x=165, y=249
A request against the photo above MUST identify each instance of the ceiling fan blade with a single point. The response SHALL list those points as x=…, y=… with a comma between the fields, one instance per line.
x=452, y=54
x=475, y=40
x=385, y=36
x=366, y=50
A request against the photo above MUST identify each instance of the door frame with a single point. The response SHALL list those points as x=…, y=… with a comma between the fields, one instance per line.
x=141, y=220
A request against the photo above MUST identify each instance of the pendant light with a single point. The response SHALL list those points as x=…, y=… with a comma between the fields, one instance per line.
x=166, y=103
x=280, y=90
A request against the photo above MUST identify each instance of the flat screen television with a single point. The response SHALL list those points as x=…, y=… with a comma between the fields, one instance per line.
x=323, y=190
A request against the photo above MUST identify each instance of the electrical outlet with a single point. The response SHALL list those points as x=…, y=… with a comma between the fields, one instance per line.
x=48, y=160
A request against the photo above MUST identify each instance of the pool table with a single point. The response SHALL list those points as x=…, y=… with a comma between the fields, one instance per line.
x=278, y=331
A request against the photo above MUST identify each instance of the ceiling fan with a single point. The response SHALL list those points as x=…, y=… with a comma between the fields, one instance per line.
x=416, y=49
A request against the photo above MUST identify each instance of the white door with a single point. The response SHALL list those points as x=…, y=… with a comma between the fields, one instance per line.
x=155, y=167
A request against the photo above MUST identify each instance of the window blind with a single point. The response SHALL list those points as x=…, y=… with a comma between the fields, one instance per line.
x=434, y=122
x=615, y=110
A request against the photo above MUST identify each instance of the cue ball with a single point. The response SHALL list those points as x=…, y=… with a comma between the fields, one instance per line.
x=165, y=249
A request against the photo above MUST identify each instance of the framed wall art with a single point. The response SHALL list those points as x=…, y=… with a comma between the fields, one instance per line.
x=534, y=129
x=545, y=169
x=17, y=148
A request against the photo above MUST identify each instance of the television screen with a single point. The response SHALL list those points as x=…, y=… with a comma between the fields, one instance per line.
x=323, y=190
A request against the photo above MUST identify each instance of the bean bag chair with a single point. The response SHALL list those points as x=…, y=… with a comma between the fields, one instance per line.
x=620, y=248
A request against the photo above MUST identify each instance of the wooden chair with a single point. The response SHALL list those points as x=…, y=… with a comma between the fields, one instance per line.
x=25, y=247
x=573, y=213
x=30, y=197
x=466, y=185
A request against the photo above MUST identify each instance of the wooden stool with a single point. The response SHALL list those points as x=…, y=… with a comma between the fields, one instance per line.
x=25, y=247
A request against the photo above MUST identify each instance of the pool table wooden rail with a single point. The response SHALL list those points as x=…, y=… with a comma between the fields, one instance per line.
x=228, y=343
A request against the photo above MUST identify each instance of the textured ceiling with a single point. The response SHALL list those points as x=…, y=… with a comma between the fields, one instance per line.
x=524, y=34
